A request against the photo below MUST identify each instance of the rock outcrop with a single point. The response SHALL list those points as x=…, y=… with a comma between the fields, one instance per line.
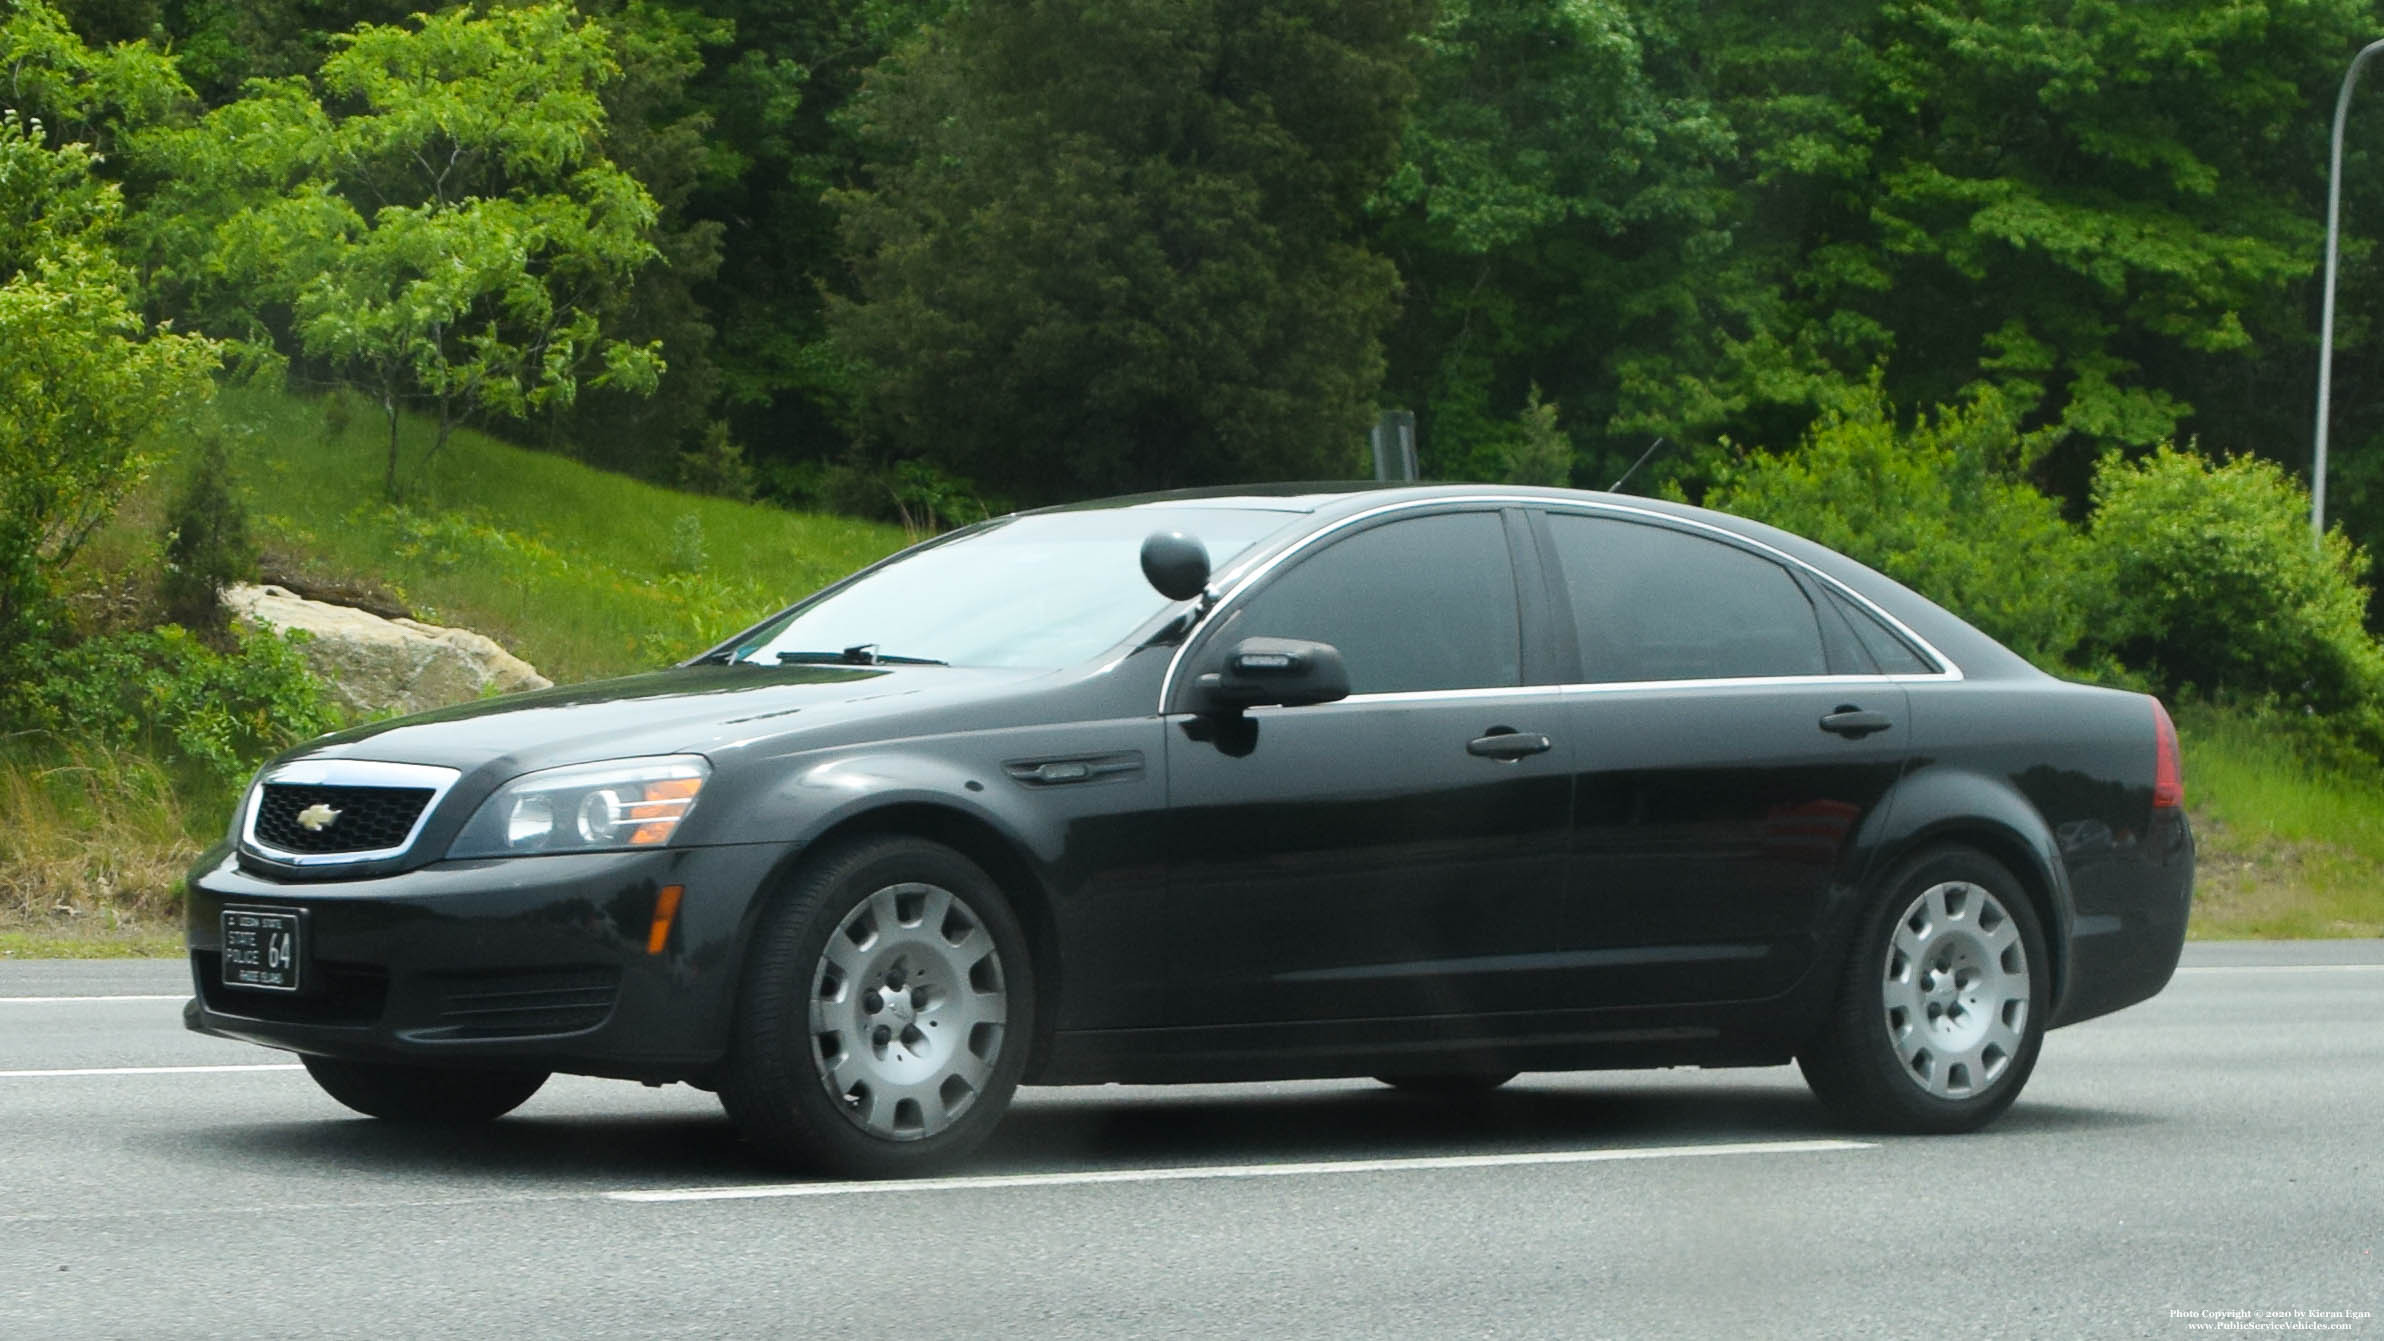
x=373, y=665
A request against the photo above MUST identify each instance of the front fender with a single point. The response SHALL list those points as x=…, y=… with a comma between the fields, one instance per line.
x=1070, y=820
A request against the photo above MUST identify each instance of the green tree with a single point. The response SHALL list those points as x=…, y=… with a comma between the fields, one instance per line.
x=1559, y=214
x=84, y=377
x=783, y=140
x=2107, y=211
x=658, y=130
x=431, y=217
x=83, y=94
x=1695, y=219
x=1114, y=245
x=2131, y=183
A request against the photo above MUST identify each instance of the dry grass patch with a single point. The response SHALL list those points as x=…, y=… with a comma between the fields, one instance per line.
x=95, y=846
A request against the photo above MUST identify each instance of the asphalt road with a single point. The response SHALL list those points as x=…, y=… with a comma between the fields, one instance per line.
x=2208, y=1161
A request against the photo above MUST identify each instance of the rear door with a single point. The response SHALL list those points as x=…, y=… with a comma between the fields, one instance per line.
x=1731, y=736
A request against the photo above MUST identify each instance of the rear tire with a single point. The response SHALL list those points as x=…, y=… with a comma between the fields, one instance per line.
x=885, y=1014
x=1941, y=1011
x=402, y=1093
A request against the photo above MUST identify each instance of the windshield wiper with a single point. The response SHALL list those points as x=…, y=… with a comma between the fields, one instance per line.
x=863, y=654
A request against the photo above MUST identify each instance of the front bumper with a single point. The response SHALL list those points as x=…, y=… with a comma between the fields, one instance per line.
x=531, y=962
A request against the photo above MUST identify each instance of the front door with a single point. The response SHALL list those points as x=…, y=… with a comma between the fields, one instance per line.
x=1393, y=854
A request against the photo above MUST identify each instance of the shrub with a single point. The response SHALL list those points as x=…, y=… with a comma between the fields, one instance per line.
x=929, y=500
x=718, y=467
x=1942, y=507
x=165, y=692
x=339, y=411
x=686, y=544
x=1540, y=452
x=207, y=541
x=2217, y=587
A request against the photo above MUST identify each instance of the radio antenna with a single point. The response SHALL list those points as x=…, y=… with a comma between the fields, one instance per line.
x=1651, y=451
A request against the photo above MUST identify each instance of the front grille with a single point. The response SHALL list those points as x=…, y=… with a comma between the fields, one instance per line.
x=369, y=819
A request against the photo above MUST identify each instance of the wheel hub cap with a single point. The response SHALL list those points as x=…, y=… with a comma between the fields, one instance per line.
x=908, y=1007
x=1954, y=993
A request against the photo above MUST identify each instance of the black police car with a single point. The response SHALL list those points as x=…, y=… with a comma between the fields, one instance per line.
x=1434, y=784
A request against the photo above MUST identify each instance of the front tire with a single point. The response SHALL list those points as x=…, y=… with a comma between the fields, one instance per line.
x=402, y=1093
x=885, y=1015
x=1942, y=1009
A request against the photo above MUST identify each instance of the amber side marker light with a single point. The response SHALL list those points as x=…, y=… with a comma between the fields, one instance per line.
x=666, y=907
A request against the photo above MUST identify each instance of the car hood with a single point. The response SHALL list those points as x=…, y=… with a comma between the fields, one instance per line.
x=692, y=710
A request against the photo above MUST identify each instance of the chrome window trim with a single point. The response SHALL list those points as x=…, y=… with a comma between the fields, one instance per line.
x=346, y=773
x=1949, y=673
x=1608, y=687
x=1742, y=682
x=1496, y=691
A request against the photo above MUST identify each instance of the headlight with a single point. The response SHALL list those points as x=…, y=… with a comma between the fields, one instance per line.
x=618, y=804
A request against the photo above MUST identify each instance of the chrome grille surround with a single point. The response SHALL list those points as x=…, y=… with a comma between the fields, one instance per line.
x=361, y=773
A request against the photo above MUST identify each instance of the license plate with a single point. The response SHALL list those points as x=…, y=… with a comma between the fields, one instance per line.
x=262, y=950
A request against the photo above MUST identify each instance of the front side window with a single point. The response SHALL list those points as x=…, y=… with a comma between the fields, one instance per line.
x=1416, y=604
x=1652, y=603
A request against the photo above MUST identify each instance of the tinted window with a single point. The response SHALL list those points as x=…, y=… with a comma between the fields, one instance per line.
x=1894, y=656
x=1425, y=603
x=1652, y=603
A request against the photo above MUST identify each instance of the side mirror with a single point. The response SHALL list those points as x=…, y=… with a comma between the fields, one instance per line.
x=1289, y=672
x=1176, y=564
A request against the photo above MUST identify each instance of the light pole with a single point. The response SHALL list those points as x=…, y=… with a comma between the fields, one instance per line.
x=2334, y=210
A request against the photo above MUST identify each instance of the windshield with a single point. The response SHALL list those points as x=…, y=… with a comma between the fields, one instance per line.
x=1040, y=591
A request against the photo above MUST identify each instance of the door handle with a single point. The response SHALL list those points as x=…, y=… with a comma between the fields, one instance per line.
x=1854, y=723
x=1509, y=745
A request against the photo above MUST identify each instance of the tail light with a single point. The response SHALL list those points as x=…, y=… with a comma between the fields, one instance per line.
x=2168, y=775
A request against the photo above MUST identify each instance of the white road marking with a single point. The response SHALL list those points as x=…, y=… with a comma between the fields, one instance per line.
x=1200, y=1172
x=147, y=1070
x=75, y=1000
x=2281, y=968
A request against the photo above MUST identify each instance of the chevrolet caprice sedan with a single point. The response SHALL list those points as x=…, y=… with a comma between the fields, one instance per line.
x=1430, y=784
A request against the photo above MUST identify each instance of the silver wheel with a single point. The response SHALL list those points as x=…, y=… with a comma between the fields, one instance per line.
x=1955, y=991
x=909, y=1008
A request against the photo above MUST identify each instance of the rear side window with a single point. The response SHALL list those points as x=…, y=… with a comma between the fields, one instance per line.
x=1652, y=603
x=1894, y=655
x=1422, y=603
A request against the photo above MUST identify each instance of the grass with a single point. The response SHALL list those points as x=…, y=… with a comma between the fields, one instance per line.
x=582, y=572
x=2288, y=848
x=94, y=848
x=147, y=941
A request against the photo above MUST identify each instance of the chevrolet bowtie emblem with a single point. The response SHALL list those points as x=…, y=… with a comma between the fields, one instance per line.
x=317, y=817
